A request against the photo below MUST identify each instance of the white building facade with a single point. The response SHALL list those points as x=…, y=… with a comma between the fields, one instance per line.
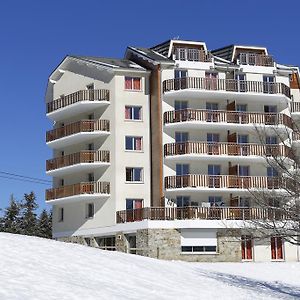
x=156, y=153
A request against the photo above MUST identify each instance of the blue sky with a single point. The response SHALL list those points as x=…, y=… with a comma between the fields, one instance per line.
x=36, y=35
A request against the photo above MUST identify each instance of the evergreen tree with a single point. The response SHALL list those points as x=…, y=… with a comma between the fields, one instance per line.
x=11, y=220
x=29, y=219
x=45, y=225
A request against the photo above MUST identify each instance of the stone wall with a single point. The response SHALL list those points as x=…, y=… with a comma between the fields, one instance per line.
x=166, y=244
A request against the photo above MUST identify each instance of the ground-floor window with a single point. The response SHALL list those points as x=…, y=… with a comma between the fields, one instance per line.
x=106, y=243
x=199, y=249
x=247, y=247
x=276, y=247
x=197, y=241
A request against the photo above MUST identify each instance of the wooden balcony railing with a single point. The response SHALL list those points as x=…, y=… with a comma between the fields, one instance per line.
x=225, y=149
x=215, y=116
x=199, y=213
x=77, y=158
x=78, y=189
x=223, y=181
x=229, y=85
x=76, y=127
x=192, y=54
x=296, y=135
x=256, y=59
x=83, y=95
x=295, y=107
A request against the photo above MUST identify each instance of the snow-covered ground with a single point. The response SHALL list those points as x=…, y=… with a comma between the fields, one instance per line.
x=34, y=268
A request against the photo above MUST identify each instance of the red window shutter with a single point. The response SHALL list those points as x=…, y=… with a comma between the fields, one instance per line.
x=138, y=144
x=128, y=83
x=136, y=83
x=279, y=248
x=249, y=249
x=127, y=113
x=273, y=248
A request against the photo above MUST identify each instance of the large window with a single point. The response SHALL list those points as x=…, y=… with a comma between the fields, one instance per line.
x=134, y=174
x=276, y=247
x=133, y=112
x=133, y=83
x=106, y=243
x=182, y=169
x=133, y=143
x=247, y=248
x=134, y=204
x=198, y=241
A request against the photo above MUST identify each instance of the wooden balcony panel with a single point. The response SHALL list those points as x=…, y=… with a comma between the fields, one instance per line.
x=198, y=213
x=233, y=149
x=256, y=59
x=77, y=127
x=223, y=181
x=82, y=95
x=217, y=116
x=78, y=189
x=295, y=107
x=77, y=158
x=229, y=85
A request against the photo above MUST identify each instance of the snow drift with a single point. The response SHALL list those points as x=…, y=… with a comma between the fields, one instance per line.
x=35, y=268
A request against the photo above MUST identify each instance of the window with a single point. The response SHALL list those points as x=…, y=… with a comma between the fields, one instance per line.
x=62, y=182
x=215, y=201
x=208, y=249
x=181, y=137
x=180, y=73
x=214, y=170
x=276, y=247
x=241, y=107
x=246, y=247
x=271, y=140
x=133, y=143
x=183, y=201
x=90, y=87
x=134, y=174
x=272, y=172
x=182, y=169
x=133, y=113
x=90, y=210
x=60, y=214
x=213, y=137
x=179, y=105
x=242, y=139
x=106, y=243
x=91, y=177
x=133, y=83
x=134, y=204
x=244, y=170
x=198, y=240
x=90, y=147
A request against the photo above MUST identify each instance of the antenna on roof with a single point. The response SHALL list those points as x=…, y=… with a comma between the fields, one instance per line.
x=175, y=37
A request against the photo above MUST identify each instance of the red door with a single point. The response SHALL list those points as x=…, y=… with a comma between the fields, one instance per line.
x=276, y=248
x=246, y=247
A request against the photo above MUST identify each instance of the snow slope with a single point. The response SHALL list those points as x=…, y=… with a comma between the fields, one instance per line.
x=34, y=268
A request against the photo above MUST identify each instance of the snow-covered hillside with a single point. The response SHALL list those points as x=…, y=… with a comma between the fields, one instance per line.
x=34, y=268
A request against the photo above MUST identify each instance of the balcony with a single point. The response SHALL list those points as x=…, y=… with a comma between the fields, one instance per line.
x=198, y=213
x=78, y=102
x=196, y=150
x=219, y=118
x=211, y=88
x=191, y=54
x=77, y=192
x=295, y=109
x=196, y=182
x=253, y=59
x=76, y=162
x=77, y=132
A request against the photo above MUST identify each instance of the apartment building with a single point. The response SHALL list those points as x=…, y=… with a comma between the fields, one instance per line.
x=157, y=153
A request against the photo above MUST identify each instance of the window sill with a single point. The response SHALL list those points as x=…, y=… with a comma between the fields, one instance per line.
x=135, y=151
x=133, y=120
x=128, y=90
x=134, y=182
x=199, y=253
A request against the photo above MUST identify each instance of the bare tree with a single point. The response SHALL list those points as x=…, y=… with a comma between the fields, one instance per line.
x=281, y=201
